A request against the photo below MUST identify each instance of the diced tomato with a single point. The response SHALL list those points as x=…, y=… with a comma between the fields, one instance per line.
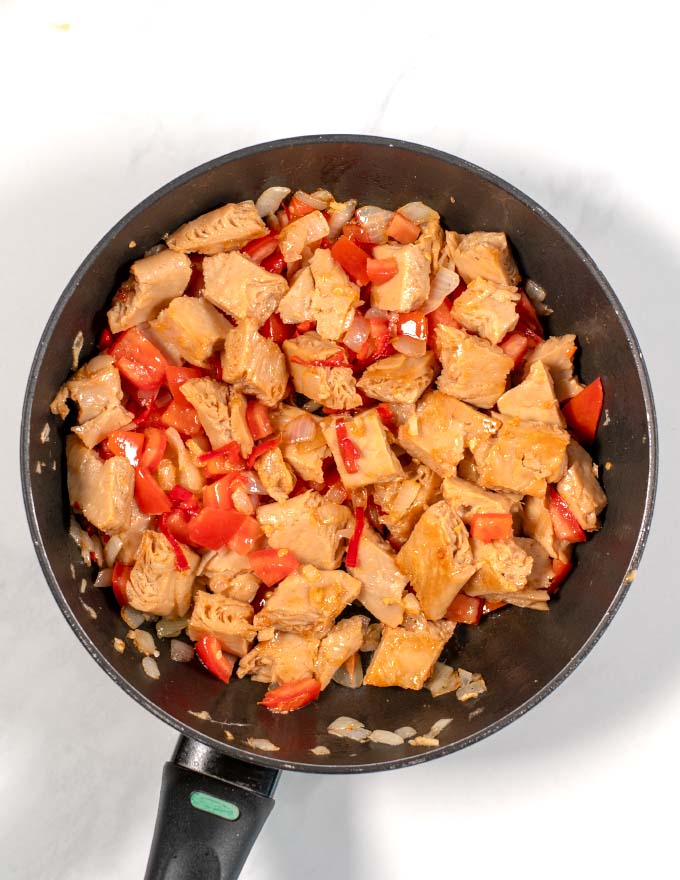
x=105, y=339
x=126, y=444
x=413, y=324
x=296, y=208
x=352, y=556
x=441, y=315
x=119, y=581
x=138, y=360
x=349, y=451
x=177, y=523
x=292, y=695
x=213, y=527
x=565, y=524
x=352, y=259
x=274, y=328
x=181, y=563
x=246, y=537
x=583, y=412
x=182, y=417
x=150, y=497
x=387, y=417
x=491, y=526
x=177, y=376
x=257, y=417
x=402, y=229
x=260, y=248
x=272, y=566
x=381, y=271
x=231, y=450
x=490, y=606
x=465, y=609
x=378, y=343
x=515, y=345
x=219, y=493
x=356, y=233
x=527, y=314
x=261, y=448
x=154, y=447
x=561, y=571
x=214, y=659
x=196, y=282
x=222, y=463
x=274, y=263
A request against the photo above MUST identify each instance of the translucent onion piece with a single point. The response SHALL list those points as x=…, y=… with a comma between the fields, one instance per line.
x=537, y=296
x=358, y=333
x=350, y=674
x=150, y=666
x=170, y=627
x=406, y=732
x=444, y=680
x=270, y=200
x=386, y=738
x=299, y=430
x=144, y=642
x=374, y=222
x=181, y=652
x=378, y=313
x=419, y=212
x=104, y=578
x=132, y=617
x=340, y=213
x=112, y=549
x=337, y=494
x=306, y=199
x=323, y=195
x=264, y=745
x=409, y=346
x=443, y=283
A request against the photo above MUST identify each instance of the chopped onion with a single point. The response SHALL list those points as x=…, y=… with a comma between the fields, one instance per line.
x=205, y=560
x=374, y=222
x=253, y=484
x=264, y=745
x=378, y=313
x=409, y=346
x=406, y=732
x=418, y=212
x=444, y=680
x=150, y=666
x=338, y=494
x=358, y=333
x=340, y=213
x=345, y=533
x=132, y=617
x=112, y=549
x=537, y=296
x=181, y=652
x=350, y=674
x=323, y=195
x=282, y=217
x=349, y=728
x=144, y=642
x=386, y=738
x=170, y=627
x=119, y=645
x=90, y=546
x=372, y=638
x=270, y=200
x=472, y=685
x=320, y=750
x=299, y=430
x=438, y=726
x=423, y=741
x=443, y=283
x=306, y=199
x=104, y=578
x=312, y=406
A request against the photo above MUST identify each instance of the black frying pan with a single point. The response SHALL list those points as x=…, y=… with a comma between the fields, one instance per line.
x=217, y=793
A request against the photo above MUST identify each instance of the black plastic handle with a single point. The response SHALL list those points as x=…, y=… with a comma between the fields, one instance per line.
x=211, y=810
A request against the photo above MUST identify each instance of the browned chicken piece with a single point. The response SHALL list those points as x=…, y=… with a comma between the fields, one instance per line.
x=382, y=583
x=238, y=422
x=467, y=469
x=223, y=229
x=166, y=474
x=187, y=472
x=537, y=524
x=242, y=587
x=488, y=309
x=344, y=640
x=308, y=356
x=224, y=563
x=300, y=234
x=448, y=254
x=406, y=654
x=335, y=297
x=486, y=255
x=437, y=559
x=153, y=283
x=285, y=657
x=402, y=501
x=296, y=305
x=343, y=209
x=253, y=364
x=227, y=619
x=275, y=475
x=473, y=369
x=155, y=585
x=194, y=327
x=309, y=526
x=433, y=435
x=306, y=457
x=533, y=399
x=410, y=287
x=541, y=570
x=131, y=535
x=580, y=489
x=557, y=353
x=503, y=566
x=431, y=242
x=95, y=430
x=476, y=425
x=376, y=462
x=308, y=601
x=522, y=457
x=467, y=500
x=241, y=288
x=102, y=490
x=210, y=399
x=397, y=378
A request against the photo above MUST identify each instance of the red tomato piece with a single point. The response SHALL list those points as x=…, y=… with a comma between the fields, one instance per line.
x=260, y=248
x=296, y=208
x=246, y=537
x=261, y=448
x=154, y=448
x=564, y=522
x=348, y=450
x=465, y=609
x=583, y=412
x=181, y=563
x=352, y=556
x=292, y=695
x=490, y=606
x=272, y=566
x=274, y=263
x=177, y=376
x=515, y=345
x=214, y=527
x=105, y=339
x=352, y=259
x=126, y=444
x=182, y=417
x=257, y=417
x=491, y=526
x=413, y=324
x=177, y=523
x=150, y=497
x=215, y=660
x=378, y=343
x=381, y=271
x=441, y=315
x=274, y=328
x=402, y=229
x=356, y=233
x=231, y=450
x=527, y=314
x=138, y=360
x=119, y=581
x=561, y=571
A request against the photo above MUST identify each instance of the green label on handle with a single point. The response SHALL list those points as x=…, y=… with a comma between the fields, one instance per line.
x=216, y=806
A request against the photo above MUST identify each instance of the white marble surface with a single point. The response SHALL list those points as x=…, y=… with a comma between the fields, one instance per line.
x=574, y=104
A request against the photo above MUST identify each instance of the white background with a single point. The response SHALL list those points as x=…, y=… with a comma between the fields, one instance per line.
x=576, y=104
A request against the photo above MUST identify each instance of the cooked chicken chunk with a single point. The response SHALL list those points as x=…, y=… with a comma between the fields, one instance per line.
x=306, y=457
x=155, y=585
x=187, y=472
x=210, y=399
x=537, y=523
x=433, y=435
x=473, y=369
x=503, y=566
x=488, y=309
x=275, y=475
x=431, y=241
x=335, y=297
x=254, y=364
x=382, y=583
x=194, y=327
x=241, y=288
x=557, y=353
x=238, y=406
x=486, y=255
x=344, y=640
x=95, y=430
x=402, y=501
x=476, y=425
x=131, y=535
x=285, y=657
x=153, y=283
x=308, y=601
x=376, y=463
x=308, y=525
x=102, y=490
x=580, y=489
x=227, y=619
x=410, y=287
x=397, y=378
x=296, y=305
x=225, y=563
x=243, y=587
x=466, y=499
x=310, y=361
x=301, y=233
x=406, y=654
x=437, y=559
x=533, y=399
x=220, y=230
x=541, y=570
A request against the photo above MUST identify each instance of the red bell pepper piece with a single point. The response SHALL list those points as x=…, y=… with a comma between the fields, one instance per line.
x=292, y=695
x=177, y=523
x=491, y=526
x=215, y=660
x=402, y=229
x=297, y=208
x=377, y=345
x=126, y=444
x=352, y=556
x=441, y=315
x=231, y=451
x=413, y=324
x=177, y=376
x=527, y=314
x=490, y=606
x=272, y=566
x=183, y=499
x=138, y=360
x=181, y=563
x=105, y=339
x=381, y=271
x=274, y=328
x=583, y=412
x=261, y=448
x=304, y=327
x=213, y=527
x=274, y=263
x=352, y=259
x=119, y=581
x=257, y=417
x=260, y=248
x=465, y=609
x=182, y=417
x=154, y=448
x=565, y=524
x=349, y=451
x=150, y=497
x=387, y=417
x=246, y=537
x=561, y=571
x=219, y=493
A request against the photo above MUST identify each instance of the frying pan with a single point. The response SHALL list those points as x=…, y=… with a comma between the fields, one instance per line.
x=217, y=790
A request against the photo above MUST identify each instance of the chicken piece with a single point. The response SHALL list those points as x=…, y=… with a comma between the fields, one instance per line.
x=402, y=501
x=451, y=242
x=486, y=255
x=223, y=229
x=488, y=309
x=382, y=583
x=131, y=536
x=406, y=654
x=467, y=469
x=243, y=587
x=522, y=457
x=533, y=399
x=433, y=435
x=473, y=369
x=296, y=305
x=285, y=657
x=210, y=399
x=154, y=281
x=437, y=559
x=310, y=361
x=308, y=525
x=94, y=388
x=537, y=524
x=476, y=425
x=410, y=287
x=541, y=570
x=306, y=457
x=376, y=462
x=467, y=500
x=102, y=490
x=431, y=242
x=580, y=489
x=241, y=288
x=302, y=232
x=187, y=472
x=224, y=563
x=557, y=353
x=503, y=566
x=95, y=430
x=194, y=327
x=334, y=298
x=238, y=406
x=254, y=364
x=155, y=585
x=227, y=619
x=341, y=643
x=308, y=601
x=275, y=475
x=397, y=378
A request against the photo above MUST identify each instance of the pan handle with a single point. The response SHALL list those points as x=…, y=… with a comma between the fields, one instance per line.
x=210, y=812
